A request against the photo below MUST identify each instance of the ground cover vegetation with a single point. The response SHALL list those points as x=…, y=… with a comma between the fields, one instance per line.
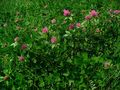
x=59, y=45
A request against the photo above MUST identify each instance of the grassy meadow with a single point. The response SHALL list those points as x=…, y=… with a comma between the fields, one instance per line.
x=59, y=45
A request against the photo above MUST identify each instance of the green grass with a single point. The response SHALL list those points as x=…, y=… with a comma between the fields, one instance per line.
x=77, y=63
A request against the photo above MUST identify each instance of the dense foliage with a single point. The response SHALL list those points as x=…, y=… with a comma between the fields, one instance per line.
x=59, y=45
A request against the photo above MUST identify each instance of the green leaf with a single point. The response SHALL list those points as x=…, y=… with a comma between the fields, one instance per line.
x=66, y=74
x=77, y=61
x=1, y=78
x=70, y=82
x=57, y=78
x=13, y=88
x=42, y=84
x=70, y=18
x=27, y=23
x=85, y=57
x=14, y=44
